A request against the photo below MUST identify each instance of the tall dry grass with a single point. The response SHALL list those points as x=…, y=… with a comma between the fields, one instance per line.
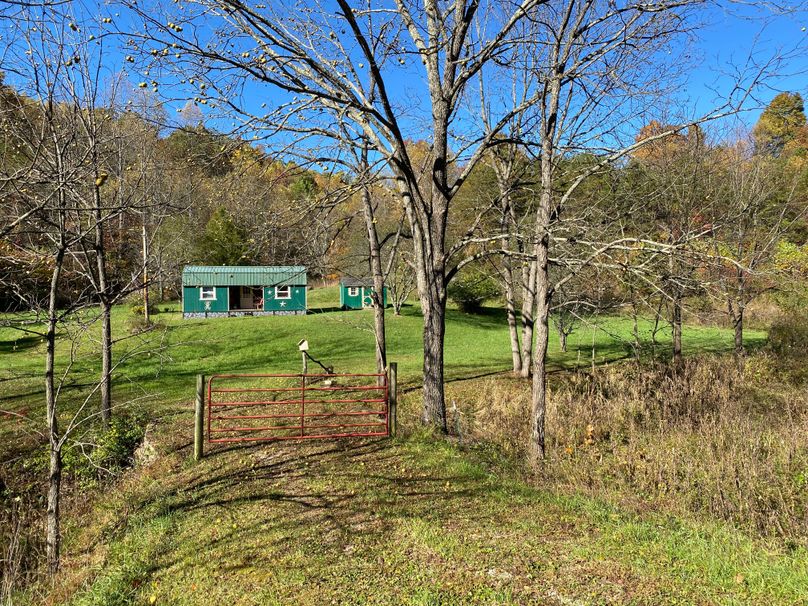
x=711, y=440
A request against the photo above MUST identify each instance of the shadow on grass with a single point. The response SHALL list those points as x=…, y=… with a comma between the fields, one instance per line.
x=19, y=345
x=273, y=500
x=323, y=310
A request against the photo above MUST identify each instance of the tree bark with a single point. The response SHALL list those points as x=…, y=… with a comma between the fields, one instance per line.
x=52, y=530
x=510, y=309
x=376, y=271
x=105, y=388
x=507, y=225
x=106, y=362
x=145, y=251
x=528, y=318
x=536, y=446
x=736, y=313
x=676, y=322
x=434, y=411
x=562, y=340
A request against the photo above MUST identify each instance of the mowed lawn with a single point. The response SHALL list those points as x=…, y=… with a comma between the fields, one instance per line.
x=415, y=520
x=159, y=367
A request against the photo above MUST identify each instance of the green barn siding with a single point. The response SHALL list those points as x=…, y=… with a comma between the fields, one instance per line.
x=296, y=303
x=191, y=302
x=355, y=302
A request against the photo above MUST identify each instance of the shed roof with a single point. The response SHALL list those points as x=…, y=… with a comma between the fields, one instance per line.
x=354, y=282
x=238, y=275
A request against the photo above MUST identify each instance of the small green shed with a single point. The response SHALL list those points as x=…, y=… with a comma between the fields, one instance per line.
x=356, y=293
x=215, y=291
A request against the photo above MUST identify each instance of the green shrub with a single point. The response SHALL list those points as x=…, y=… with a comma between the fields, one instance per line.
x=103, y=453
x=136, y=307
x=471, y=287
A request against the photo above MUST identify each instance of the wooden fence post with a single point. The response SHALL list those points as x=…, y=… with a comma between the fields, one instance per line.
x=392, y=386
x=199, y=417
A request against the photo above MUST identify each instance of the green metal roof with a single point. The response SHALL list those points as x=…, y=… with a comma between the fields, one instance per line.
x=238, y=275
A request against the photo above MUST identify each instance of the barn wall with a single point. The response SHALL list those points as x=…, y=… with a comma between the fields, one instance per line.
x=296, y=303
x=346, y=300
x=191, y=302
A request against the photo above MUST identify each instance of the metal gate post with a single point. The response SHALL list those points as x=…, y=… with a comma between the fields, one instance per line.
x=199, y=416
x=392, y=397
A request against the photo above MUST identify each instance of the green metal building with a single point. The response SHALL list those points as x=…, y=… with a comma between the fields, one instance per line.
x=221, y=291
x=355, y=293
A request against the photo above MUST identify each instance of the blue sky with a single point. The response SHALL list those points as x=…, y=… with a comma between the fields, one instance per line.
x=731, y=36
x=727, y=39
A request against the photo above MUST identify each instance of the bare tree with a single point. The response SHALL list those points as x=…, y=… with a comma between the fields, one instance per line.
x=318, y=58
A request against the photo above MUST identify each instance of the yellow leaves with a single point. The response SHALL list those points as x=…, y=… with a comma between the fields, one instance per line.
x=590, y=435
x=102, y=178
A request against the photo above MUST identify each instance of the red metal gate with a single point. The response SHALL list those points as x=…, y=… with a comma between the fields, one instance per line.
x=264, y=407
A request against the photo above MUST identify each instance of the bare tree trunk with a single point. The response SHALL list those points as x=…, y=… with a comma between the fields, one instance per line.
x=52, y=530
x=376, y=271
x=434, y=412
x=676, y=322
x=507, y=225
x=562, y=340
x=510, y=308
x=105, y=388
x=736, y=315
x=145, y=245
x=528, y=317
x=739, y=349
x=536, y=445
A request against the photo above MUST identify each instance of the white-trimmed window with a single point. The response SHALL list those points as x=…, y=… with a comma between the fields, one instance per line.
x=353, y=291
x=283, y=292
x=207, y=293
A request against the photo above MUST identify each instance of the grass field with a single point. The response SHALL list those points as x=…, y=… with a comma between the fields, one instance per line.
x=408, y=521
x=161, y=365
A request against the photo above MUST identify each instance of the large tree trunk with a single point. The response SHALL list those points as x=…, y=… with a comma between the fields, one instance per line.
x=431, y=276
x=536, y=447
x=434, y=411
x=543, y=290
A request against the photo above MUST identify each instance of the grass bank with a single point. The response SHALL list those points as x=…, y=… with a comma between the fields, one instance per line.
x=407, y=521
